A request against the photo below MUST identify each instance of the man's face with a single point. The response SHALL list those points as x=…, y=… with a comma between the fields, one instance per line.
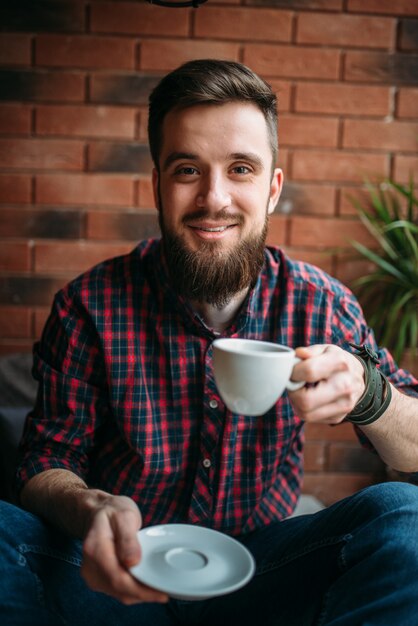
x=215, y=186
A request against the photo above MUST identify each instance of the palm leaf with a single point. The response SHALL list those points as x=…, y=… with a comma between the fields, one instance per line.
x=378, y=260
x=390, y=291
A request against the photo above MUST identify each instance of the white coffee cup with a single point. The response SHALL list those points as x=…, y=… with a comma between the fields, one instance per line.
x=251, y=375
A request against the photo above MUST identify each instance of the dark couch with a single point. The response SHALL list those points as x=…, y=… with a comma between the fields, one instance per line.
x=17, y=396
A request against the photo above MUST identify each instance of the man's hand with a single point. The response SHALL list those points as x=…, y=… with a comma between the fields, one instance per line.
x=336, y=383
x=110, y=547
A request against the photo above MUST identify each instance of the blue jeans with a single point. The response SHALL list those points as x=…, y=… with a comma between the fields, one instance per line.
x=354, y=563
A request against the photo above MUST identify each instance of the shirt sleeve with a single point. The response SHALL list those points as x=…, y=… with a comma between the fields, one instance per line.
x=71, y=404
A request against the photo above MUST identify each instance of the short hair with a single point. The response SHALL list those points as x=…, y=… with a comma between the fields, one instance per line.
x=209, y=81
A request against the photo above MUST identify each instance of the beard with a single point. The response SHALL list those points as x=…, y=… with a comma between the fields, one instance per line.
x=211, y=274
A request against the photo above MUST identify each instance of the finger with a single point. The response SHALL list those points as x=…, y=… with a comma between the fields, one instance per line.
x=103, y=571
x=126, y=542
x=320, y=362
x=333, y=398
x=306, y=352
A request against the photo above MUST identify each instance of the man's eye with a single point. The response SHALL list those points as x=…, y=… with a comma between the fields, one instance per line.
x=186, y=171
x=241, y=169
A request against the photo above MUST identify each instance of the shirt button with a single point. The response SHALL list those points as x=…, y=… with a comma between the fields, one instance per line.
x=213, y=404
x=206, y=463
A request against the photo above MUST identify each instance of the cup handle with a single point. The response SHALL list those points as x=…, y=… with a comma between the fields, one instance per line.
x=293, y=385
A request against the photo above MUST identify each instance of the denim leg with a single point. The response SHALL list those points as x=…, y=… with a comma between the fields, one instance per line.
x=41, y=583
x=379, y=564
x=353, y=564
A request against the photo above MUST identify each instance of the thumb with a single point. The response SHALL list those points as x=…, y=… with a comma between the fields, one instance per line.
x=127, y=544
x=307, y=352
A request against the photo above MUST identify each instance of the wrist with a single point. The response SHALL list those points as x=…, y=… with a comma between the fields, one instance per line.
x=377, y=392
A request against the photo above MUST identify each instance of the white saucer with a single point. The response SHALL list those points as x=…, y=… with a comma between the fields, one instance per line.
x=192, y=563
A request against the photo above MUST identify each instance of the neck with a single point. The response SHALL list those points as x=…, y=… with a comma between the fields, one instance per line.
x=219, y=319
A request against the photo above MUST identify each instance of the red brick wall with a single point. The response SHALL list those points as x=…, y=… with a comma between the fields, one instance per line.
x=75, y=168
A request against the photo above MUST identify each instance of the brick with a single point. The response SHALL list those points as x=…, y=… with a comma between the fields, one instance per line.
x=15, y=322
x=85, y=121
x=346, y=206
x=15, y=188
x=335, y=98
x=145, y=194
x=15, y=119
x=305, y=199
x=327, y=232
x=138, y=19
x=409, y=35
x=327, y=5
x=404, y=168
x=314, y=456
x=85, y=52
x=120, y=157
x=29, y=290
x=75, y=256
x=41, y=86
x=324, y=260
x=130, y=226
x=143, y=126
x=337, y=165
x=43, y=15
x=14, y=256
x=330, y=487
x=8, y=346
x=345, y=30
x=350, y=266
x=378, y=135
x=122, y=88
x=283, y=159
x=300, y=130
x=244, y=24
x=344, y=457
x=407, y=103
x=324, y=432
x=409, y=361
x=277, y=230
x=41, y=154
x=381, y=67
x=283, y=90
x=167, y=54
x=40, y=316
x=387, y=7
x=41, y=223
x=84, y=189
x=291, y=61
x=15, y=49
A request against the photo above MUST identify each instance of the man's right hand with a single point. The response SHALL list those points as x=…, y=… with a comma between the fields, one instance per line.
x=111, y=547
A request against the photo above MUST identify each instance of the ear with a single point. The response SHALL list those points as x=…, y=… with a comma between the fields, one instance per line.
x=155, y=180
x=275, y=189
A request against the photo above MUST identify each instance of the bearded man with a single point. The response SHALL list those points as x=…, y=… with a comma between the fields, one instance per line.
x=129, y=430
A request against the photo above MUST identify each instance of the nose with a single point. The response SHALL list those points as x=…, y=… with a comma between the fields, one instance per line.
x=214, y=193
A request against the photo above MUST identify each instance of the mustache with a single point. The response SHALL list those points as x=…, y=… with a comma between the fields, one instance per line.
x=221, y=216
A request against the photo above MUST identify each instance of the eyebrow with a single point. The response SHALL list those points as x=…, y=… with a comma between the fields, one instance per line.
x=248, y=156
x=236, y=156
x=176, y=156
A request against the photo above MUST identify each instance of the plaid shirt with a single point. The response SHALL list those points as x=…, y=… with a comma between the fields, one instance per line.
x=127, y=398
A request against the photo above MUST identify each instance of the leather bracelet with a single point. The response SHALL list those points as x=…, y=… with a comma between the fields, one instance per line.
x=377, y=394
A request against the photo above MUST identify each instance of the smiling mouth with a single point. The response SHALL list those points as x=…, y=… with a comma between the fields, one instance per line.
x=214, y=229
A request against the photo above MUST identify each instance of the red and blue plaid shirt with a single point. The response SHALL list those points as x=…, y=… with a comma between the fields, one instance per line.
x=127, y=398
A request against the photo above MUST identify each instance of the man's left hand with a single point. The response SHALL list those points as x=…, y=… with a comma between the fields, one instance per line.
x=335, y=383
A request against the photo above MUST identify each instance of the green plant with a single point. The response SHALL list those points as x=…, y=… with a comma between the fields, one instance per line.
x=389, y=294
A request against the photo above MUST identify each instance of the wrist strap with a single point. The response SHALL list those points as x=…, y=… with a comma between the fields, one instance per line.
x=377, y=393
